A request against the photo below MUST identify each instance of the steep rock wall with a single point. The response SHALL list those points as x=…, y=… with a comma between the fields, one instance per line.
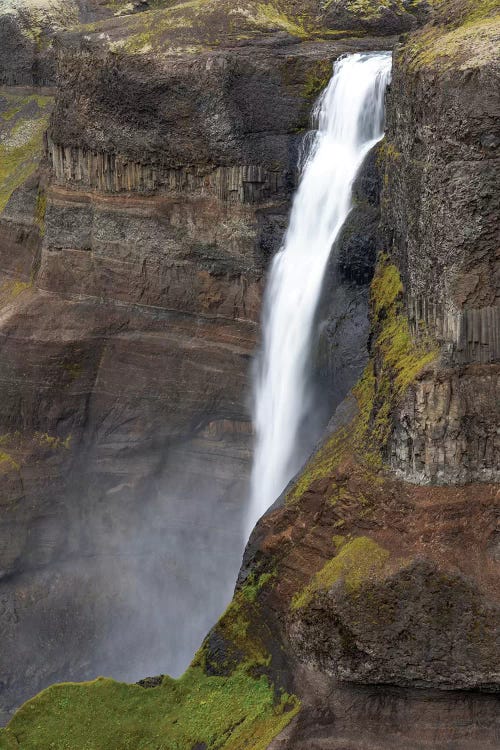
x=440, y=209
x=132, y=270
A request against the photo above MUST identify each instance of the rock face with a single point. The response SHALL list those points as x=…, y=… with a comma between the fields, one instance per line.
x=407, y=598
x=343, y=324
x=441, y=213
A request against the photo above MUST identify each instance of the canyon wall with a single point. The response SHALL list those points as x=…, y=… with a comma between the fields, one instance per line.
x=133, y=242
x=366, y=612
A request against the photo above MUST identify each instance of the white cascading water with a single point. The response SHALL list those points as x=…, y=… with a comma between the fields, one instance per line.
x=350, y=120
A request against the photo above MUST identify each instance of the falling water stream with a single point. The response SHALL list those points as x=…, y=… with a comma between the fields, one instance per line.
x=350, y=120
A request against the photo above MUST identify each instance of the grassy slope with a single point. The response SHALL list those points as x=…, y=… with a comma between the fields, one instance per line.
x=222, y=712
x=466, y=36
x=240, y=710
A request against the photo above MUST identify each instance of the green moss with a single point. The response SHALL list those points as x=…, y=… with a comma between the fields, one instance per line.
x=19, y=103
x=364, y=8
x=400, y=358
x=387, y=152
x=203, y=24
x=338, y=540
x=52, y=441
x=12, y=289
x=317, y=79
x=268, y=15
x=254, y=585
x=357, y=561
x=386, y=286
x=21, y=143
x=466, y=37
x=224, y=713
x=373, y=10
x=244, y=644
x=7, y=462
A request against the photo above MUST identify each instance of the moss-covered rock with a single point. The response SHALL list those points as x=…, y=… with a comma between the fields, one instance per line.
x=387, y=17
x=23, y=121
x=397, y=358
x=397, y=621
x=463, y=37
x=226, y=699
x=356, y=561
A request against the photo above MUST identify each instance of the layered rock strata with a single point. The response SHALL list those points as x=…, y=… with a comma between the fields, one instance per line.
x=132, y=265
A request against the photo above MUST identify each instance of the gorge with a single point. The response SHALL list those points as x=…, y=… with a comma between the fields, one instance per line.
x=150, y=153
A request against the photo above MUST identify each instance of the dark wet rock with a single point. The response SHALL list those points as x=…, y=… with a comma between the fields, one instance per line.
x=151, y=682
x=343, y=325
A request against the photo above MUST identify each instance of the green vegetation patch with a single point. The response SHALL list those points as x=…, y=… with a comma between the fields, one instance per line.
x=318, y=78
x=240, y=710
x=7, y=463
x=269, y=16
x=367, y=9
x=52, y=441
x=217, y=713
x=402, y=357
x=194, y=25
x=242, y=633
x=358, y=560
x=23, y=123
x=397, y=359
x=9, y=290
x=467, y=37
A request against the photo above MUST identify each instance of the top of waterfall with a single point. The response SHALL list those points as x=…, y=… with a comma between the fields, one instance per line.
x=357, y=82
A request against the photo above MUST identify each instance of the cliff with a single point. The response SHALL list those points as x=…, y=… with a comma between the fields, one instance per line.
x=366, y=611
x=132, y=242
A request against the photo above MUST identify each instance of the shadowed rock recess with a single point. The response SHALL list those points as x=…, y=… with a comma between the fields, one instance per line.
x=148, y=155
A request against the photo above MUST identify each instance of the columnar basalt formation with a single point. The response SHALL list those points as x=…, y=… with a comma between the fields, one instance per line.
x=440, y=206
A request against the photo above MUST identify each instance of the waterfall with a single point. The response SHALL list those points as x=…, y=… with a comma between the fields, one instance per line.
x=350, y=120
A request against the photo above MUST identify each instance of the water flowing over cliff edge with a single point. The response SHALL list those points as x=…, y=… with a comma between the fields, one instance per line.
x=349, y=116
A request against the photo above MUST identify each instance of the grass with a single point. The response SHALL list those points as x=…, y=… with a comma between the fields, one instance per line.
x=219, y=713
x=240, y=710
